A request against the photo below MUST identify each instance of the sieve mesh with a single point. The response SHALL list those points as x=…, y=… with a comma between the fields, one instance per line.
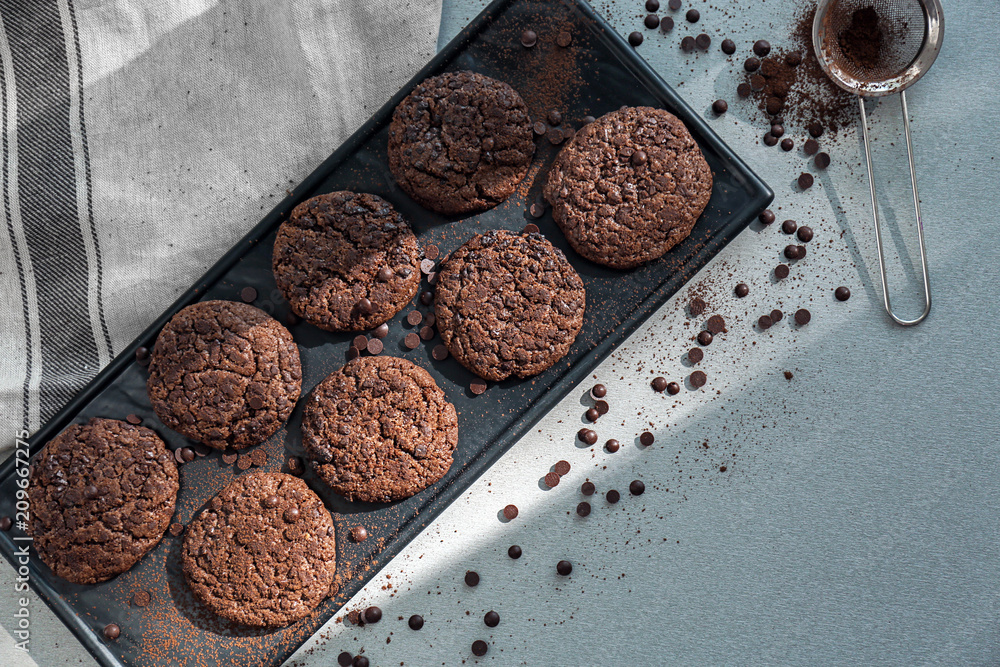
x=873, y=41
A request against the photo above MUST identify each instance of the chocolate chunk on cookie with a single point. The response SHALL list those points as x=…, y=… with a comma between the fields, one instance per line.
x=379, y=429
x=346, y=261
x=508, y=304
x=460, y=143
x=629, y=187
x=102, y=495
x=262, y=552
x=224, y=373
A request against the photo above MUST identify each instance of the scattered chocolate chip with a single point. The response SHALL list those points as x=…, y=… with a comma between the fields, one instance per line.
x=248, y=294
x=360, y=341
x=439, y=353
x=538, y=128
x=695, y=355
x=514, y=552
x=555, y=118
x=805, y=180
x=705, y=338
x=294, y=464
x=530, y=228
x=375, y=346
x=697, y=306
x=778, y=130
x=637, y=488
x=716, y=324
x=562, y=468
x=744, y=90
x=815, y=130
x=588, y=488
x=801, y=251
x=592, y=414
x=426, y=333
x=728, y=47
x=787, y=144
x=751, y=64
x=652, y=21
x=646, y=439
x=762, y=47
x=176, y=529
x=612, y=445
x=187, y=454
x=659, y=383
x=536, y=211
x=757, y=83
x=720, y=107
x=598, y=391
x=551, y=479
x=674, y=5
x=781, y=271
x=805, y=234
x=793, y=59
x=492, y=619
x=822, y=160
x=258, y=457
x=112, y=631
x=477, y=387
x=243, y=463
x=427, y=297
x=776, y=316
x=555, y=136
x=602, y=407
x=229, y=459
x=583, y=509
x=416, y=622
x=792, y=251
x=770, y=139
x=479, y=647
x=652, y=5
x=789, y=226
x=412, y=341
x=426, y=266
x=141, y=353
x=688, y=44
x=564, y=39
x=635, y=38
x=810, y=147
x=587, y=120
x=666, y=24
x=764, y=322
x=703, y=41
x=842, y=293
x=698, y=379
x=432, y=252
x=587, y=435
x=802, y=317
x=774, y=106
x=373, y=614
x=510, y=512
x=766, y=217
x=360, y=661
x=613, y=496
x=359, y=533
x=673, y=389
x=742, y=289
x=471, y=578
x=141, y=598
x=564, y=567
x=692, y=15
x=133, y=419
x=529, y=38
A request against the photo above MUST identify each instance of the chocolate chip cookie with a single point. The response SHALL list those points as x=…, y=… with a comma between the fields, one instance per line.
x=379, y=429
x=224, y=373
x=629, y=187
x=346, y=261
x=262, y=552
x=460, y=143
x=101, y=496
x=508, y=304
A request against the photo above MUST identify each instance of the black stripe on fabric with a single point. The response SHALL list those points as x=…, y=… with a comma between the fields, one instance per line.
x=90, y=190
x=47, y=191
x=26, y=386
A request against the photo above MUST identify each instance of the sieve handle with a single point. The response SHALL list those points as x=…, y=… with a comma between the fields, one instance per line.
x=916, y=208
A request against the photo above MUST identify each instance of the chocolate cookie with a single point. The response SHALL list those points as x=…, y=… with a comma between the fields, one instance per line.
x=101, y=496
x=460, y=143
x=508, y=304
x=379, y=429
x=224, y=373
x=629, y=187
x=262, y=552
x=346, y=261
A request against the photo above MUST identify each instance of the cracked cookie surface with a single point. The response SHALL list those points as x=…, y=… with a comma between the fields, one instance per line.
x=629, y=187
x=460, y=142
x=262, y=552
x=346, y=261
x=379, y=429
x=224, y=373
x=508, y=304
x=101, y=496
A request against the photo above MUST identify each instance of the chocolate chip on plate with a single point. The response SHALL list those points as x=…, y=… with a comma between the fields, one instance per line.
x=716, y=324
x=806, y=180
x=789, y=226
x=562, y=468
x=751, y=64
x=822, y=160
x=176, y=529
x=360, y=341
x=810, y=147
x=375, y=346
x=697, y=306
x=345, y=659
x=432, y=252
x=359, y=533
x=770, y=139
x=742, y=289
x=471, y=578
x=688, y=44
x=764, y=322
x=112, y=631
x=815, y=130
x=416, y=622
x=555, y=135
x=637, y=488
x=477, y=387
x=439, y=353
x=781, y=271
x=802, y=317
x=762, y=47
x=602, y=407
x=248, y=294
x=659, y=383
x=412, y=341
x=774, y=106
x=588, y=488
x=564, y=567
x=613, y=496
x=674, y=5
x=757, y=83
x=805, y=234
x=510, y=512
x=373, y=614
x=776, y=316
x=635, y=38
x=360, y=661
x=587, y=435
x=479, y=648
x=538, y=127
x=698, y=379
x=133, y=419
x=705, y=338
x=230, y=458
x=612, y=445
x=673, y=389
x=652, y=5
x=692, y=15
x=426, y=266
x=766, y=217
x=778, y=130
x=744, y=90
x=652, y=21
x=792, y=251
x=720, y=107
x=491, y=619
x=802, y=251
x=728, y=46
x=381, y=331
x=646, y=439
x=666, y=24
x=842, y=293
x=695, y=355
x=787, y=144
x=583, y=509
x=426, y=333
x=514, y=551
x=141, y=598
x=551, y=479
x=703, y=41
x=529, y=38
x=564, y=38
x=427, y=297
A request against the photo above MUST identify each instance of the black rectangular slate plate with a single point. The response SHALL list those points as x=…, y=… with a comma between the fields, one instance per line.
x=597, y=73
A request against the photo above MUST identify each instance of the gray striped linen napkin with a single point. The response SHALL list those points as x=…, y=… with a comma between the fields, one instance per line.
x=141, y=139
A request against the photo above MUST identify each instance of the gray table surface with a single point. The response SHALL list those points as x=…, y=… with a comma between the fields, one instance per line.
x=857, y=522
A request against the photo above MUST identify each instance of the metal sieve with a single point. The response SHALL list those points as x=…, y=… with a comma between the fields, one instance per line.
x=906, y=40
